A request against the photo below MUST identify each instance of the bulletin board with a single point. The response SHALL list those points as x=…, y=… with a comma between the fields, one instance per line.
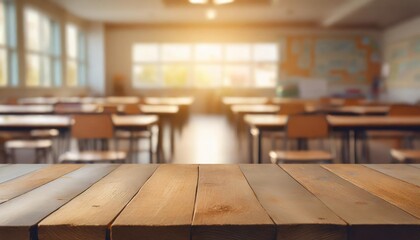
x=403, y=60
x=353, y=60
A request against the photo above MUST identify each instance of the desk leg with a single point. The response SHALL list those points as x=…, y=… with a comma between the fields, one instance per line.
x=345, y=147
x=172, y=137
x=160, y=151
x=259, y=143
x=355, y=159
x=251, y=149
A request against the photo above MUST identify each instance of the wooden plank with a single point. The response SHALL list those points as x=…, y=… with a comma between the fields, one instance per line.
x=226, y=207
x=416, y=165
x=369, y=217
x=162, y=209
x=16, y=170
x=89, y=215
x=32, y=180
x=403, y=195
x=20, y=215
x=403, y=172
x=297, y=213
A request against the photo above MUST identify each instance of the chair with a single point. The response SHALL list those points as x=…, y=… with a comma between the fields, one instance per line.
x=93, y=132
x=42, y=149
x=302, y=128
x=291, y=108
x=405, y=156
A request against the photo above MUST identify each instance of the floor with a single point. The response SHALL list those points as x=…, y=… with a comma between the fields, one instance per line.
x=212, y=139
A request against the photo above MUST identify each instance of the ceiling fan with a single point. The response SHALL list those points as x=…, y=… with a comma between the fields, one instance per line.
x=215, y=2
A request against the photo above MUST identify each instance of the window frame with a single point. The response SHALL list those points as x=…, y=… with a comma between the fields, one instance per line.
x=10, y=44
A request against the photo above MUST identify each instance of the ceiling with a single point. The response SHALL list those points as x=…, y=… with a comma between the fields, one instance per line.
x=327, y=13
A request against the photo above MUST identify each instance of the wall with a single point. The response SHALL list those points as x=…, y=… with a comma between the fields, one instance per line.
x=406, y=89
x=120, y=39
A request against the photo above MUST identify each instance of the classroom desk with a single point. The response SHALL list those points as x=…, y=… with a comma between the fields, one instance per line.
x=351, y=127
x=351, y=110
x=26, y=109
x=122, y=100
x=137, y=123
x=38, y=101
x=179, y=101
x=167, y=113
x=130, y=202
x=229, y=101
x=70, y=108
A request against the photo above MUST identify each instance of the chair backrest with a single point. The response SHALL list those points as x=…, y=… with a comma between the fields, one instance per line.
x=109, y=109
x=353, y=102
x=291, y=108
x=402, y=110
x=92, y=126
x=307, y=126
x=131, y=109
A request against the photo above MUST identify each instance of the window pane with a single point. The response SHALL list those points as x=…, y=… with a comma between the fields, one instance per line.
x=208, y=52
x=2, y=23
x=176, y=52
x=33, y=30
x=237, y=75
x=33, y=70
x=71, y=41
x=146, y=53
x=46, y=35
x=265, y=75
x=145, y=75
x=208, y=76
x=72, y=73
x=175, y=75
x=265, y=52
x=238, y=52
x=57, y=72
x=3, y=68
x=46, y=72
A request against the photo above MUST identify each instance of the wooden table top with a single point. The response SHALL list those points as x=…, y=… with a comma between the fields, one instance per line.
x=180, y=202
x=245, y=100
x=134, y=120
x=26, y=109
x=358, y=110
x=122, y=100
x=245, y=109
x=159, y=109
x=34, y=121
x=362, y=122
x=39, y=101
x=180, y=101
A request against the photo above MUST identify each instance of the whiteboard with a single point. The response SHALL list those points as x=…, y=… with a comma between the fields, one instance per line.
x=313, y=88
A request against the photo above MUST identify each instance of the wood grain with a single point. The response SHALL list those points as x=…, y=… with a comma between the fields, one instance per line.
x=32, y=180
x=16, y=170
x=162, y=209
x=415, y=165
x=226, y=207
x=88, y=216
x=297, y=213
x=20, y=215
x=403, y=195
x=369, y=217
x=403, y=172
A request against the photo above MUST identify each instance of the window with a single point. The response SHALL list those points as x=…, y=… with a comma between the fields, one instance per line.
x=8, y=53
x=205, y=65
x=42, y=44
x=76, y=59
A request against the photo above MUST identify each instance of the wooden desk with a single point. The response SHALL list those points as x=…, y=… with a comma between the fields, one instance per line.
x=31, y=122
x=350, y=126
x=122, y=100
x=167, y=114
x=351, y=110
x=70, y=108
x=130, y=202
x=179, y=101
x=229, y=101
x=136, y=123
x=255, y=109
x=26, y=109
x=38, y=101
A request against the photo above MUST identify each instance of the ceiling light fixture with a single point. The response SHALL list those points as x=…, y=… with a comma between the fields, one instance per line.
x=215, y=2
x=198, y=1
x=221, y=2
x=211, y=14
